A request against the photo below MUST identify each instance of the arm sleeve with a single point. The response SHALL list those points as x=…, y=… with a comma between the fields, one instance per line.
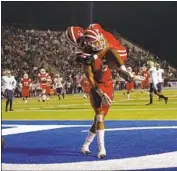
x=14, y=83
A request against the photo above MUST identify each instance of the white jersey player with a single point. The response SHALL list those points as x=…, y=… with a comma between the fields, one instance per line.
x=160, y=73
x=58, y=83
x=8, y=86
x=154, y=83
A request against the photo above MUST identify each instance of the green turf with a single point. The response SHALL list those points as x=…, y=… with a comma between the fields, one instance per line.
x=76, y=107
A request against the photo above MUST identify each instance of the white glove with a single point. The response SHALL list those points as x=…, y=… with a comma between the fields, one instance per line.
x=105, y=99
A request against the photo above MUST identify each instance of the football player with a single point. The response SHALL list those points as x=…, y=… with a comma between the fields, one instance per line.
x=154, y=83
x=8, y=85
x=129, y=86
x=98, y=47
x=25, y=84
x=48, y=87
x=160, y=73
x=101, y=95
x=58, y=85
x=42, y=77
x=85, y=86
x=145, y=83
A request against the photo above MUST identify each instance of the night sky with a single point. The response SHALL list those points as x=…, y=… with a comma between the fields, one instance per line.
x=152, y=25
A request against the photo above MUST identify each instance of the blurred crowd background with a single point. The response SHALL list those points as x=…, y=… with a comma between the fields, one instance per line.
x=27, y=51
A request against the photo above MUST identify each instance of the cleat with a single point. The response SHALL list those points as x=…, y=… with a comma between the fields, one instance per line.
x=11, y=110
x=6, y=110
x=166, y=100
x=101, y=154
x=85, y=150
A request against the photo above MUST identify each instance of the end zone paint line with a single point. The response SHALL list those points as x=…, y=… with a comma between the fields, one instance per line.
x=156, y=161
x=137, y=128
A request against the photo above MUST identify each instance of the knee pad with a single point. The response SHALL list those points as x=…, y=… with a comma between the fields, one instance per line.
x=99, y=118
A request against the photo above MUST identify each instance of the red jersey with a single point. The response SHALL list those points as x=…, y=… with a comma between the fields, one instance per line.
x=145, y=83
x=43, y=78
x=145, y=74
x=115, y=44
x=25, y=82
x=85, y=85
x=102, y=73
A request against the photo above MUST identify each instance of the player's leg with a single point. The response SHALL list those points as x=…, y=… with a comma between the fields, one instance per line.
x=151, y=89
x=89, y=139
x=11, y=99
x=100, y=134
x=92, y=131
x=158, y=93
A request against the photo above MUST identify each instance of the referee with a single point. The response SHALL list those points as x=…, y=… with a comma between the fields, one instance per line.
x=8, y=86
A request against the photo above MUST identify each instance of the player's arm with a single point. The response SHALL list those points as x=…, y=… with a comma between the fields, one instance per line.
x=89, y=74
x=154, y=78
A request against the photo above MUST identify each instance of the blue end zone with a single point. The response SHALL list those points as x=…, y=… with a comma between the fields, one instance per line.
x=62, y=145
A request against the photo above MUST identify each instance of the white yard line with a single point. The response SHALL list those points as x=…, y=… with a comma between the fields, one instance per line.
x=164, y=160
x=81, y=110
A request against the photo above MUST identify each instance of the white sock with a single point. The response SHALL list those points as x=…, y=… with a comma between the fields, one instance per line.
x=122, y=67
x=128, y=96
x=90, y=137
x=100, y=139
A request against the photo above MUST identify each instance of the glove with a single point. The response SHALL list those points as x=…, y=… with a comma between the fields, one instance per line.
x=105, y=99
x=84, y=58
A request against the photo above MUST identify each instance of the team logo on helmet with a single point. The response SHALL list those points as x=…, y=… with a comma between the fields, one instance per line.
x=74, y=35
x=42, y=71
x=95, y=26
x=94, y=39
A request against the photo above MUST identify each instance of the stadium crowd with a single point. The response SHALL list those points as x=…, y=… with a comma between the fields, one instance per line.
x=27, y=51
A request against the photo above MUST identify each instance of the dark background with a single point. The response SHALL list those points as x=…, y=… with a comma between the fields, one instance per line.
x=152, y=25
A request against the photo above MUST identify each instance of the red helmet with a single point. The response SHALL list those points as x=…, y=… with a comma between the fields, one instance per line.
x=74, y=34
x=94, y=39
x=96, y=27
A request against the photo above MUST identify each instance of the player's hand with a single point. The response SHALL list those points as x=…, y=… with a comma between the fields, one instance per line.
x=105, y=99
x=84, y=58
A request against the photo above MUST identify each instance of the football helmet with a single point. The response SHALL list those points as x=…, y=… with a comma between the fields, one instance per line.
x=42, y=71
x=25, y=76
x=94, y=39
x=74, y=35
x=144, y=68
x=96, y=26
x=150, y=64
x=8, y=72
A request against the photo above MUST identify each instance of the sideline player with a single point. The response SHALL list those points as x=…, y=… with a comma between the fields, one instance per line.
x=59, y=86
x=25, y=84
x=129, y=86
x=42, y=77
x=153, y=83
x=85, y=86
x=160, y=73
x=145, y=83
x=8, y=85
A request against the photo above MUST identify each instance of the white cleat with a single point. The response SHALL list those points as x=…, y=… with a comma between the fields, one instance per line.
x=85, y=150
x=101, y=154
